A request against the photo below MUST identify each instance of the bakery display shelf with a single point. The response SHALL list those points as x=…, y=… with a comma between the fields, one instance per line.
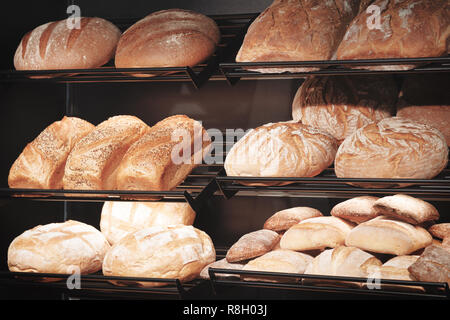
x=325, y=284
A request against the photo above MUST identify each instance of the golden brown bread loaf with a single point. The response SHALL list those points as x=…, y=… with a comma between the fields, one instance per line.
x=440, y=230
x=54, y=46
x=284, y=219
x=433, y=265
x=297, y=31
x=408, y=29
x=168, y=38
x=41, y=163
x=93, y=162
x=284, y=149
x=357, y=210
x=153, y=162
x=66, y=247
x=253, y=244
x=166, y=252
x=392, y=148
x=340, y=105
x=118, y=218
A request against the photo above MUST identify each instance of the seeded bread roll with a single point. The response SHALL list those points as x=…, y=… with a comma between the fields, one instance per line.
x=357, y=210
x=284, y=219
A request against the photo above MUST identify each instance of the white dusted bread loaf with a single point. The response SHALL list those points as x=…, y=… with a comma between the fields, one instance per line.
x=252, y=245
x=120, y=218
x=168, y=38
x=357, y=210
x=93, y=162
x=41, y=163
x=166, y=252
x=340, y=105
x=284, y=149
x=55, y=46
x=284, y=219
x=65, y=248
x=392, y=148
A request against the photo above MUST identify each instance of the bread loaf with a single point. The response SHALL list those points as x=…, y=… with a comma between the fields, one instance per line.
x=316, y=233
x=64, y=248
x=407, y=29
x=284, y=219
x=165, y=252
x=357, y=210
x=120, y=218
x=284, y=149
x=395, y=148
x=168, y=38
x=389, y=236
x=433, y=265
x=154, y=162
x=253, y=244
x=221, y=264
x=41, y=163
x=297, y=31
x=440, y=230
x=55, y=46
x=93, y=162
x=340, y=105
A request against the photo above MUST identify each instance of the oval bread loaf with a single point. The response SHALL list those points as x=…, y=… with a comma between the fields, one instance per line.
x=357, y=210
x=284, y=219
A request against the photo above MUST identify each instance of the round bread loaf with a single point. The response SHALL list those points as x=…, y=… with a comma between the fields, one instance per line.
x=341, y=105
x=65, y=248
x=120, y=218
x=284, y=149
x=392, y=148
x=165, y=252
x=55, y=46
x=168, y=38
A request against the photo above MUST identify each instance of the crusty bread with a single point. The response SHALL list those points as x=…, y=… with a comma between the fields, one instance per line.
x=168, y=38
x=150, y=164
x=408, y=29
x=433, y=265
x=65, y=248
x=93, y=162
x=41, y=163
x=297, y=31
x=440, y=230
x=284, y=219
x=120, y=218
x=166, y=252
x=54, y=46
x=389, y=236
x=316, y=233
x=253, y=244
x=357, y=210
x=340, y=105
x=221, y=264
x=284, y=149
x=406, y=208
x=392, y=148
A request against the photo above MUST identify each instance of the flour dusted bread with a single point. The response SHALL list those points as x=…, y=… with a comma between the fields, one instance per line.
x=440, y=230
x=166, y=252
x=357, y=210
x=120, y=218
x=41, y=163
x=395, y=268
x=65, y=248
x=168, y=38
x=164, y=156
x=253, y=244
x=316, y=233
x=284, y=149
x=284, y=219
x=93, y=162
x=55, y=46
x=395, y=148
x=408, y=29
x=340, y=105
x=297, y=31
x=221, y=264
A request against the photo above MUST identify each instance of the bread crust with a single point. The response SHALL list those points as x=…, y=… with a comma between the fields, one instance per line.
x=253, y=244
x=284, y=219
x=357, y=210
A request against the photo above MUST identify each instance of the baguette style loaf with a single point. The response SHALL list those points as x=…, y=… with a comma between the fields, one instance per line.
x=41, y=163
x=55, y=46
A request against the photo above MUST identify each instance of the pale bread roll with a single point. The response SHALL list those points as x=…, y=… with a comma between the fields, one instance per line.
x=221, y=264
x=253, y=244
x=357, y=210
x=389, y=236
x=408, y=29
x=64, y=248
x=284, y=149
x=93, y=162
x=440, y=230
x=406, y=208
x=120, y=218
x=41, y=163
x=281, y=260
x=316, y=233
x=165, y=252
x=395, y=148
x=55, y=46
x=340, y=105
x=284, y=219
